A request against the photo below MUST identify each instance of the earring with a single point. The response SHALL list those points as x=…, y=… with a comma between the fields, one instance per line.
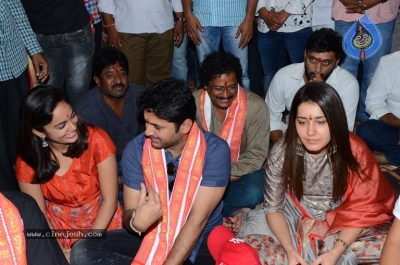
x=44, y=142
x=299, y=147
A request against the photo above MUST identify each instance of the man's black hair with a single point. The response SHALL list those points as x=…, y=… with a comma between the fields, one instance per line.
x=218, y=63
x=108, y=56
x=325, y=40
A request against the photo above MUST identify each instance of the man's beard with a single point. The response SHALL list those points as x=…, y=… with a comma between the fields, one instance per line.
x=311, y=75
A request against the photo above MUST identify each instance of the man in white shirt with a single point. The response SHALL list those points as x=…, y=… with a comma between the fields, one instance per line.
x=321, y=58
x=381, y=131
x=283, y=28
x=145, y=32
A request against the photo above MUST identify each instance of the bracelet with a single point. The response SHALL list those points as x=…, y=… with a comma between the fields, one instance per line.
x=109, y=25
x=131, y=225
x=181, y=19
x=343, y=243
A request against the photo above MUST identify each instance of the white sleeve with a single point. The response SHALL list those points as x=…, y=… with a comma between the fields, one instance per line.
x=396, y=210
x=276, y=104
x=375, y=101
x=350, y=96
x=106, y=6
x=177, y=6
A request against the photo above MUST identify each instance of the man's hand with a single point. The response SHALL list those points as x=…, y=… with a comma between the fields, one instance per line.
x=359, y=6
x=193, y=25
x=113, y=39
x=234, y=178
x=148, y=210
x=245, y=29
x=271, y=18
x=178, y=33
x=41, y=66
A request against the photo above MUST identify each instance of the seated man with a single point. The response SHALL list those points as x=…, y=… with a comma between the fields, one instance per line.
x=381, y=131
x=25, y=226
x=241, y=118
x=112, y=104
x=321, y=58
x=174, y=175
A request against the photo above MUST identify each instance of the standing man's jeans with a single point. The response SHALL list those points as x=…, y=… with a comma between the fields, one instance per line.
x=272, y=47
x=246, y=192
x=210, y=41
x=370, y=64
x=70, y=60
x=382, y=138
x=179, y=61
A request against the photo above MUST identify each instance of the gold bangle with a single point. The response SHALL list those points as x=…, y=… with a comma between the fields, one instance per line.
x=109, y=25
x=343, y=243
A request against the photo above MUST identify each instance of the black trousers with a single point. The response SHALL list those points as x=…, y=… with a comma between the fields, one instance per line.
x=12, y=93
x=39, y=251
x=119, y=248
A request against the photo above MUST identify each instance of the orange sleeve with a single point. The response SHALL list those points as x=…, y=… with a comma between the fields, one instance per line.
x=103, y=146
x=23, y=172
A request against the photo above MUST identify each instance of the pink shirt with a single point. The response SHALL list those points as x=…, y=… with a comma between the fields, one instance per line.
x=380, y=13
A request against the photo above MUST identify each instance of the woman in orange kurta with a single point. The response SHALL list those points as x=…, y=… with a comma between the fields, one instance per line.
x=67, y=166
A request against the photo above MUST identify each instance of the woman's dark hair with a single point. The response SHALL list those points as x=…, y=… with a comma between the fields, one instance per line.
x=217, y=64
x=339, y=153
x=36, y=112
x=170, y=100
x=325, y=40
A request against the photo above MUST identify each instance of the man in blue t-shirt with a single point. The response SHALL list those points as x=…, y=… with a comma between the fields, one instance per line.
x=170, y=116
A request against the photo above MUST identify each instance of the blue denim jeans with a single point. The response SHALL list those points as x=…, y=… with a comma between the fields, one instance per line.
x=246, y=192
x=179, y=61
x=382, y=138
x=273, y=46
x=370, y=64
x=210, y=42
x=70, y=60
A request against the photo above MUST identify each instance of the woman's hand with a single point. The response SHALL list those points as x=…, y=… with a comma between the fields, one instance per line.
x=294, y=258
x=328, y=258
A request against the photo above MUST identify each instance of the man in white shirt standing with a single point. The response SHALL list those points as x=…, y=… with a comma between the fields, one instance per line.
x=283, y=28
x=381, y=131
x=321, y=58
x=145, y=32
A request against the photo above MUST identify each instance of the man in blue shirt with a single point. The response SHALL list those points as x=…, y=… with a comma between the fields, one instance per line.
x=174, y=175
x=111, y=105
x=17, y=40
x=213, y=21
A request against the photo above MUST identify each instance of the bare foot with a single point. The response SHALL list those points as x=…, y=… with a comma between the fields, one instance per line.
x=237, y=219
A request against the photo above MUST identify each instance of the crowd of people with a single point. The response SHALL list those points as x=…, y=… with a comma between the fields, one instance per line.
x=149, y=124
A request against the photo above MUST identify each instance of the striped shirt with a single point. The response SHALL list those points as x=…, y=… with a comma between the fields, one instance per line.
x=220, y=13
x=380, y=13
x=91, y=6
x=16, y=38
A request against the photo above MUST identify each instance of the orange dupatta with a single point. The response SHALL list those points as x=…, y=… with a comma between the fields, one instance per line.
x=160, y=237
x=12, y=240
x=232, y=128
